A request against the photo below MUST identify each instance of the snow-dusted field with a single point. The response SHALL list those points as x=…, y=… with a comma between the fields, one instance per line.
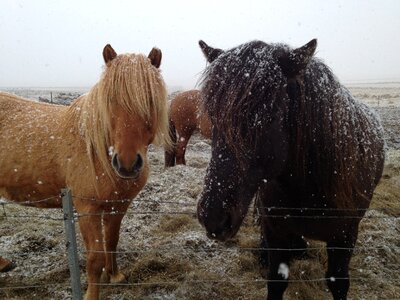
x=164, y=251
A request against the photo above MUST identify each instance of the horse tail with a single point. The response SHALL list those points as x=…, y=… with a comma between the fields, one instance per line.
x=170, y=152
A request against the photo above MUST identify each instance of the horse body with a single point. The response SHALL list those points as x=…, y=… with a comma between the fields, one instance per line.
x=38, y=138
x=286, y=131
x=185, y=117
x=97, y=147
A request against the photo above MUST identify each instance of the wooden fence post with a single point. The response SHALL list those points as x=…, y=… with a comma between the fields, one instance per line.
x=69, y=224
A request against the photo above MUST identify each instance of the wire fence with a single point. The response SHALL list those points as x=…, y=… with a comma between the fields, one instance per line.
x=187, y=209
x=191, y=282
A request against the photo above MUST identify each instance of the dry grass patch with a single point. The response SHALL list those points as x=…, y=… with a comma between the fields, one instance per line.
x=176, y=223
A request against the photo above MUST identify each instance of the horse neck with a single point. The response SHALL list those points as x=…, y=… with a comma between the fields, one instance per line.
x=74, y=115
x=84, y=120
x=314, y=158
x=82, y=110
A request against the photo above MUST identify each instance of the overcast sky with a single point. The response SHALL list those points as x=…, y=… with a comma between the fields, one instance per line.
x=60, y=43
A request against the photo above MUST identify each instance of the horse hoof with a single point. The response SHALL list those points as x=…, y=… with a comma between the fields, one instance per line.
x=118, y=278
x=7, y=267
x=105, y=277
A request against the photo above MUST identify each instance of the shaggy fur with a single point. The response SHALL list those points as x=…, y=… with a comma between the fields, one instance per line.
x=131, y=83
x=317, y=107
x=287, y=130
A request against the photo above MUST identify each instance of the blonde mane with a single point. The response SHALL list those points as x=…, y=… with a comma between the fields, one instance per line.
x=129, y=81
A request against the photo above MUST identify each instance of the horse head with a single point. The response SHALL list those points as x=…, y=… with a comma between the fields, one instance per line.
x=244, y=92
x=136, y=108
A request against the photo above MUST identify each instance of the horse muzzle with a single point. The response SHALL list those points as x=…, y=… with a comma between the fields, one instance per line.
x=219, y=227
x=223, y=232
x=127, y=171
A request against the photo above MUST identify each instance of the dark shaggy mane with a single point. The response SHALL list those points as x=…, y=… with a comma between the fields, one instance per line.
x=335, y=136
x=239, y=96
x=331, y=134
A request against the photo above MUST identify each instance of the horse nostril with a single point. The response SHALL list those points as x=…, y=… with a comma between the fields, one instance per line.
x=219, y=230
x=131, y=172
x=115, y=162
x=138, y=163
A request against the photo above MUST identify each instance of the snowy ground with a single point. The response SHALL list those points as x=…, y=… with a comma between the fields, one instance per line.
x=166, y=255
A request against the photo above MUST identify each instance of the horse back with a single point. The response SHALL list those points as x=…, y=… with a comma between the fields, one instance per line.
x=184, y=111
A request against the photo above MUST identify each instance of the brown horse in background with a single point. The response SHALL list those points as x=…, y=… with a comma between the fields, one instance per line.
x=97, y=147
x=185, y=117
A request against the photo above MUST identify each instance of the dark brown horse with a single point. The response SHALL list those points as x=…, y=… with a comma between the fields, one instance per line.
x=286, y=129
x=185, y=117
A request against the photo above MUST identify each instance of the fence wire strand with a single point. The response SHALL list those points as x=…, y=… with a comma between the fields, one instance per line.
x=345, y=214
x=241, y=249
x=269, y=208
x=234, y=281
x=33, y=286
x=228, y=250
x=190, y=282
x=29, y=202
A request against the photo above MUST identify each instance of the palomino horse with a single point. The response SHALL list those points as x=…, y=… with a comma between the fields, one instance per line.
x=97, y=147
x=286, y=128
x=185, y=117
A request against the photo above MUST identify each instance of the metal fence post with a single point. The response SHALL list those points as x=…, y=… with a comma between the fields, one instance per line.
x=72, y=249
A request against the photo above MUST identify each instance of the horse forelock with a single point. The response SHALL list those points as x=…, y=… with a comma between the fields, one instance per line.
x=130, y=82
x=240, y=89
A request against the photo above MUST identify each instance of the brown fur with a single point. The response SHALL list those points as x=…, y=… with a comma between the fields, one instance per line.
x=47, y=147
x=186, y=116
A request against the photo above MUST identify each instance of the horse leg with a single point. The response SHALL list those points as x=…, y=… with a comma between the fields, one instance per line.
x=264, y=258
x=170, y=152
x=5, y=265
x=265, y=194
x=169, y=157
x=338, y=268
x=112, y=225
x=91, y=230
x=181, y=146
x=297, y=242
x=274, y=236
x=278, y=271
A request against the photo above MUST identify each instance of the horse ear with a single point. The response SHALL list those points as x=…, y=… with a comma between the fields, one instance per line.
x=109, y=53
x=304, y=54
x=298, y=59
x=210, y=53
x=155, y=56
